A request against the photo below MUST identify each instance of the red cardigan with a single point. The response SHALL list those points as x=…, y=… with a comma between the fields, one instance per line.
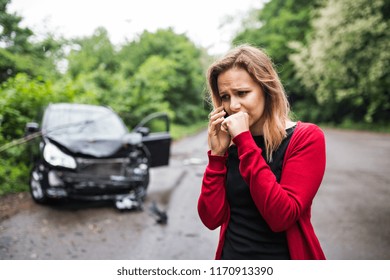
x=285, y=206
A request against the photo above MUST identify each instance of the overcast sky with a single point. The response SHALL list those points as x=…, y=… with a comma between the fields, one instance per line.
x=200, y=20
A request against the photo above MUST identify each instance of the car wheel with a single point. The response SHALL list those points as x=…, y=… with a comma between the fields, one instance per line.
x=37, y=188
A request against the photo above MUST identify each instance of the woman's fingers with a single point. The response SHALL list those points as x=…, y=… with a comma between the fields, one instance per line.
x=215, y=125
x=224, y=126
x=216, y=115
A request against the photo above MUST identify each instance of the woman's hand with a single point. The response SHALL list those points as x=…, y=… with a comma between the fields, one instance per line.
x=218, y=138
x=236, y=124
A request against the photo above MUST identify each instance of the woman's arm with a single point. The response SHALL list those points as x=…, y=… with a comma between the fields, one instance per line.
x=212, y=204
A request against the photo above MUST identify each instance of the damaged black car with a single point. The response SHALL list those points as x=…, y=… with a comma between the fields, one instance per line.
x=86, y=152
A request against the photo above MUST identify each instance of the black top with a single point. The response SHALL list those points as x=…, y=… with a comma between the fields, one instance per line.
x=248, y=236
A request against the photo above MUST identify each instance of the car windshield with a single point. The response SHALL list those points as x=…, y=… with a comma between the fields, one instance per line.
x=81, y=121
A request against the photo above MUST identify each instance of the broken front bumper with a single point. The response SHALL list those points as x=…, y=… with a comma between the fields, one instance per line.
x=98, y=179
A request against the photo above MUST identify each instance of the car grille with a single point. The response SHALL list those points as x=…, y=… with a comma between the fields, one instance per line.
x=102, y=168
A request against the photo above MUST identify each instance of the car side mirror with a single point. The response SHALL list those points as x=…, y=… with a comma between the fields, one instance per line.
x=145, y=131
x=31, y=128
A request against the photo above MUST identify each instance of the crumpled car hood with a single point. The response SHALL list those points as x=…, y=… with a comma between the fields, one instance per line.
x=90, y=147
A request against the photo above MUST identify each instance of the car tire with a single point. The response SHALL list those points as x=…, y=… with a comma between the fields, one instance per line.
x=38, y=186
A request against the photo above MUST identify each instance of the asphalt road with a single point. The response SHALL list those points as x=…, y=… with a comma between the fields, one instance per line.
x=351, y=213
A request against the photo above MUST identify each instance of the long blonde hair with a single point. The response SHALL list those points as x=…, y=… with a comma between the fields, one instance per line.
x=260, y=68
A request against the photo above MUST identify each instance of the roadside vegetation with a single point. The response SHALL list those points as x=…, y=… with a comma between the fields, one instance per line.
x=332, y=56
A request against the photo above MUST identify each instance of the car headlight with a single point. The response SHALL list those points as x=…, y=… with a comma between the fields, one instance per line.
x=56, y=157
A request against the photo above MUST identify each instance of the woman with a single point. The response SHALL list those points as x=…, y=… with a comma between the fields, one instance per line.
x=264, y=169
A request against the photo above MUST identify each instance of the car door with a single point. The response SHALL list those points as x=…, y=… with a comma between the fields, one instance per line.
x=156, y=136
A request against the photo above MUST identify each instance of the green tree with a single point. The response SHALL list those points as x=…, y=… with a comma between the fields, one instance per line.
x=183, y=88
x=13, y=42
x=93, y=68
x=92, y=52
x=22, y=100
x=144, y=93
x=347, y=63
x=12, y=36
x=18, y=54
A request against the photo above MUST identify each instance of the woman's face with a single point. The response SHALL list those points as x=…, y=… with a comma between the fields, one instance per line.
x=239, y=92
